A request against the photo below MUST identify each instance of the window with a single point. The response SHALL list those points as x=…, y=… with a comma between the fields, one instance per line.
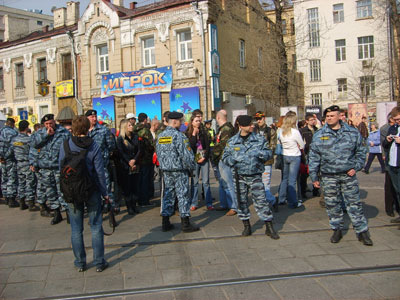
x=43, y=110
x=342, y=85
x=364, y=9
x=338, y=13
x=294, y=62
x=313, y=27
x=367, y=84
x=292, y=27
x=316, y=99
x=1, y=79
x=284, y=31
x=42, y=69
x=66, y=67
x=242, y=54
x=340, y=47
x=148, y=55
x=365, y=47
x=260, y=60
x=315, y=70
x=102, y=59
x=184, y=45
x=19, y=75
x=40, y=23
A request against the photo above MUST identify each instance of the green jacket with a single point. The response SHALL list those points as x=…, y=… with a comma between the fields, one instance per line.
x=147, y=143
x=224, y=133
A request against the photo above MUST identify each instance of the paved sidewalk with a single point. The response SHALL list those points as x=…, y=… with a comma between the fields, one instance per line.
x=36, y=260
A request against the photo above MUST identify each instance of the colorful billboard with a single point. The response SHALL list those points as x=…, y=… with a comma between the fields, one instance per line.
x=137, y=82
x=356, y=112
x=185, y=101
x=105, y=110
x=65, y=88
x=149, y=104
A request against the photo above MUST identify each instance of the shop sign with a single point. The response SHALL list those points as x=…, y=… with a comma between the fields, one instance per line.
x=65, y=88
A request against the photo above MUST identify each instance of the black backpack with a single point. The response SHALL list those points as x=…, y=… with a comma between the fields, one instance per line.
x=75, y=182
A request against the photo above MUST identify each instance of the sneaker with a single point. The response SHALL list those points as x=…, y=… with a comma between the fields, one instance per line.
x=210, y=207
x=81, y=269
x=193, y=208
x=102, y=267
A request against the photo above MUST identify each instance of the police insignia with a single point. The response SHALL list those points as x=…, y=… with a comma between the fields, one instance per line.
x=236, y=148
x=165, y=140
x=18, y=144
x=324, y=138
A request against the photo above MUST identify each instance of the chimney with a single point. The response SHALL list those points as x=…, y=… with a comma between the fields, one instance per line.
x=72, y=13
x=118, y=2
x=45, y=28
x=132, y=5
x=60, y=17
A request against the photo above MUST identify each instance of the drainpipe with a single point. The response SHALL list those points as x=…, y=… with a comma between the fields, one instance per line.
x=79, y=104
x=390, y=48
x=203, y=42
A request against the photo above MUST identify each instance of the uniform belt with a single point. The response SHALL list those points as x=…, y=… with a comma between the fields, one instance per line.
x=333, y=174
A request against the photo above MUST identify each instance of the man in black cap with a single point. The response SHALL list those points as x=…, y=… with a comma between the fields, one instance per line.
x=8, y=163
x=337, y=152
x=176, y=161
x=105, y=140
x=49, y=140
x=246, y=152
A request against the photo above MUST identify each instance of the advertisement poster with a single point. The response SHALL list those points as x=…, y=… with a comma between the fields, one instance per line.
x=236, y=113
x=185, y=101
x=356, y=112
x=149, y=104
x=137, y=82
x=314, y=110
x=32, y=119
x=105, y=110
x=286, y=109
x=382, y=110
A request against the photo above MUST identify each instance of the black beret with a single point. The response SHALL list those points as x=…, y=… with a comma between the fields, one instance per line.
x=174, y=115
x=47, y=117
x=91, y=112
x=244, y=120
x=331, y=108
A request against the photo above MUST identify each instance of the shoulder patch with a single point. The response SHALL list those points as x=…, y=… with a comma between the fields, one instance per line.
x=165, y=140
x=236, y=148
x=18, y=144
x=324, y=138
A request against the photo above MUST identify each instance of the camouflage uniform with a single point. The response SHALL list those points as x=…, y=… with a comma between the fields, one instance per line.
x=332, y=154
x=8, y=167
x=176, y=161
x=33, y=161
x=26, y=179
x=105, y=140
x=227, y=195
x=247, y=157
x=47, y=162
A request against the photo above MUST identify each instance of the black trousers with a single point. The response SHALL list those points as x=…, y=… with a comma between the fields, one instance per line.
x=371, y=157
x=391, y=202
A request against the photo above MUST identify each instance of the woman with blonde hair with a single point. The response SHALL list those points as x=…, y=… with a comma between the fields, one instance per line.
x=290, y=139
x=129, y=149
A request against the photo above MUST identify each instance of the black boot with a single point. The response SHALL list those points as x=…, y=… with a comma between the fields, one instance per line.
x=57, y=217
x=12, y=202
x=186, y=226
x=32, y=206
x=22, y=205
x=364, y=238
x=129, y=207
x=270, y=231
x=45, y=210
x=247, y=228
x=336, y=236
x=166, y=224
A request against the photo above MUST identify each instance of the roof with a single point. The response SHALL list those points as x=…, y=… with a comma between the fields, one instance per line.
x=37, y=35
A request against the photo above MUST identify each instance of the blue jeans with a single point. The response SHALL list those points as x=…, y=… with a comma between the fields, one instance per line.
x=287, y=189
x=95, y=221
x=266, y=179
x=228, y=189
x=204, y=169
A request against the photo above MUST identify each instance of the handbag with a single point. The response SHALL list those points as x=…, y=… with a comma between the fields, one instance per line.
x=279, y=162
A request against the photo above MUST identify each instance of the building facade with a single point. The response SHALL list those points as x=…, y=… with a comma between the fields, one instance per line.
x=342, y=49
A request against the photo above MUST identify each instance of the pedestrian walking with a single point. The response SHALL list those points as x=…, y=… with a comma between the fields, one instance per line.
x=374, y=144
x=337, y=152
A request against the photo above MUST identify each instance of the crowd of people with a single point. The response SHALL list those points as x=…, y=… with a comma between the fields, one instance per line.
x=121, y=168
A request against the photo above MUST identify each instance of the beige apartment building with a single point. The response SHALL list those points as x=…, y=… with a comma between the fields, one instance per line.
x=215, y=53
x=30, y=68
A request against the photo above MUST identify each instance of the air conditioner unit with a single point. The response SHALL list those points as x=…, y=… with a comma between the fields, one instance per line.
x=249, y=100
x=367, y=63
x=226, y=97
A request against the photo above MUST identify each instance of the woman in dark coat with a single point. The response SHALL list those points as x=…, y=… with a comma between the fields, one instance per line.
x=129, y=150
